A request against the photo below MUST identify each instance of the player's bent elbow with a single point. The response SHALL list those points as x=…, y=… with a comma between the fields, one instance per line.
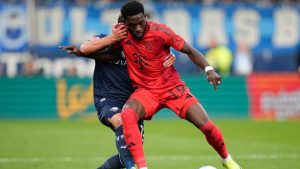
x=84, y=49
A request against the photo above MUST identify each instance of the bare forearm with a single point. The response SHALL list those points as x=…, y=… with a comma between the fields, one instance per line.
x=90, y=47
x=212, y=76
x=195, y=56
x=198, y=59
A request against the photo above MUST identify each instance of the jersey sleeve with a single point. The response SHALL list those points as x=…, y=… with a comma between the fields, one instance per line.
x=171, y=38
x=117, y=45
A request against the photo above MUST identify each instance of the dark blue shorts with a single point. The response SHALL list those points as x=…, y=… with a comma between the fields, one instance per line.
x=106, y=108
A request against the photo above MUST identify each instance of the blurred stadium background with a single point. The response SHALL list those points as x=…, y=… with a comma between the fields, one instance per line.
x=47, y=117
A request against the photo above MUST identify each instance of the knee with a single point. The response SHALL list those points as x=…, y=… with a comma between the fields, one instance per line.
x=128, y=115
x=209, y=128
x=115, y=120
x=197, y=119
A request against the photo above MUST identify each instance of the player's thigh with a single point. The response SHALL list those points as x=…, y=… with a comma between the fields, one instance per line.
x=197, y=115
x=189, y=108
x=144, y=103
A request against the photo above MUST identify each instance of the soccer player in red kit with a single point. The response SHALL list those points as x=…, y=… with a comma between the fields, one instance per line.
x=157, y=87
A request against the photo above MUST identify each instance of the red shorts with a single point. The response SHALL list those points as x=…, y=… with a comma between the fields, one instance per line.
x=178, y=99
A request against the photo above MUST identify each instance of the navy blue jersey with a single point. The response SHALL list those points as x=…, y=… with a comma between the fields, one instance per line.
x=111, y=80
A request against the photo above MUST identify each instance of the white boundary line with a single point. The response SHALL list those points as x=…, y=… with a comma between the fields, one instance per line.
x=153, y=158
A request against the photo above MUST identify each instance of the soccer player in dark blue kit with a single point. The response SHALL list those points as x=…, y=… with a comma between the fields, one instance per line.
x=112, y=88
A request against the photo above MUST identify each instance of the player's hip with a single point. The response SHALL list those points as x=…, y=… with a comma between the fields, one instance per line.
x=163, y=92
x=178, y=99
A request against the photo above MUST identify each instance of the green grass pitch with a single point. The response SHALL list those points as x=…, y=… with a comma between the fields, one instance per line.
x=169, y=144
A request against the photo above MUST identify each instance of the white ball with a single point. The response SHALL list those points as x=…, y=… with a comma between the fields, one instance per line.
x=207, y=167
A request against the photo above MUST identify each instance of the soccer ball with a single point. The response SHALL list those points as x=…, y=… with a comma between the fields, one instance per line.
x=207, y=167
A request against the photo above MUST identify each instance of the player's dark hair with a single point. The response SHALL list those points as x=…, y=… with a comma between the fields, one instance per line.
x=132, y=8
x=120, y=19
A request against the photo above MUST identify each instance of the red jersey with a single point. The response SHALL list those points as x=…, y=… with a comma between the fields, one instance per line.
x=145, y=58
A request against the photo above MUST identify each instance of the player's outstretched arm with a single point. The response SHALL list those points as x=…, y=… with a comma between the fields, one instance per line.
x=102, y=55
x=212, y=76
x=92, y=46
x=72, y=49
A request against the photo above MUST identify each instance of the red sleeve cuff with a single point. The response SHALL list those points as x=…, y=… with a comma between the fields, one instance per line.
x=180, y=46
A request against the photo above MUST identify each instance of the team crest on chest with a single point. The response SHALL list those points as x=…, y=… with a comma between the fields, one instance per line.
x=149, y=45
x=128, y=42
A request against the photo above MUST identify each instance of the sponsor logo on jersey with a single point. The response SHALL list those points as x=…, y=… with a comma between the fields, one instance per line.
x=188, y=96
x=148, y=45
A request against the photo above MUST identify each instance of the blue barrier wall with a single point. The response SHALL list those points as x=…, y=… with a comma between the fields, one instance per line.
x=271, y=32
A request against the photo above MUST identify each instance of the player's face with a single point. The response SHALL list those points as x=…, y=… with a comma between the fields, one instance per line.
x=136, y=25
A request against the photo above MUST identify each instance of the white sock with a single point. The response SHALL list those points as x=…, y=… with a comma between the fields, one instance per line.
x=144, y=168
x=227, y=158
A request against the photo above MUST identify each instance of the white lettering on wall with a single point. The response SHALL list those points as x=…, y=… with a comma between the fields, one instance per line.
x=78, y=18
x=110, y=17
x=180, y=21
x=15, y=64
x=213, y=27
x=50, y=26
x=285, y=104
x=286, y=32
x=246, y=27
x=11, y=60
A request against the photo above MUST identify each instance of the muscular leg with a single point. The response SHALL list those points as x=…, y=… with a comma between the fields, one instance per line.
x=123, y=150
x=124, y=158
x=198, y=116
x=132, y=112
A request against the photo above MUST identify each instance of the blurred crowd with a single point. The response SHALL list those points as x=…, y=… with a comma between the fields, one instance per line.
x=226, y=62
x=87, y=2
